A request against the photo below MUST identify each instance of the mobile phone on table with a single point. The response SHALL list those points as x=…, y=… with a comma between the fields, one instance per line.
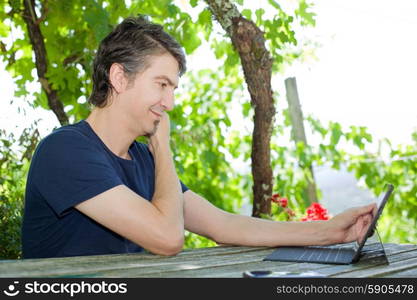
x=272, y=274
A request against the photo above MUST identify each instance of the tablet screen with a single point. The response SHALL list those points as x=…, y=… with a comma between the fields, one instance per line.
x=380, y=206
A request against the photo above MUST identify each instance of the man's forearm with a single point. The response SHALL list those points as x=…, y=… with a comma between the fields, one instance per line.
x=249, y=231
x=168, y=196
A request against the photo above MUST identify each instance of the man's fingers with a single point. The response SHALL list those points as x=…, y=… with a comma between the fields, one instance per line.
x=360, y=228
x=362, y=225
x=367, y=209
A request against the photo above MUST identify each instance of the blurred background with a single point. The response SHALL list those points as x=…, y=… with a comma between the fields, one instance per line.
x=353, y=62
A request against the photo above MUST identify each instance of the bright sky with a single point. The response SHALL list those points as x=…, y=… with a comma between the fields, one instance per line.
x=365, y=73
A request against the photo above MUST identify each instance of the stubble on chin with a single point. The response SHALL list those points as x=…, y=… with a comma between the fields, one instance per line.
x=155, y=128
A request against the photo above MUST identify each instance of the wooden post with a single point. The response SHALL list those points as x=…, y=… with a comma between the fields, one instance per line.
x=298, y=132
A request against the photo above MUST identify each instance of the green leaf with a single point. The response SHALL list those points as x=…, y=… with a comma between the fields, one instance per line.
x=274, y=4
x=172, y=10
x=307, y=18
x=247, y=13
x=246, y=108
x=41, y=100
x=336, y=130
x=259, y=13
x=221, y=48
x=97, y=19
x=204, y=19
x=4, y=30
x=191, y=39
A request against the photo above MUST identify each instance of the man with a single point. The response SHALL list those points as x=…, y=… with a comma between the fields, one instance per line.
x=92, y=189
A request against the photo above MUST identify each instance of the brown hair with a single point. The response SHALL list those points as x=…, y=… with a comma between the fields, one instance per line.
x=130, y=44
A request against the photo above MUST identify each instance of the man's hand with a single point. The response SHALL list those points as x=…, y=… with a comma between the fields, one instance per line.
x=161, y=136
x=350, y=225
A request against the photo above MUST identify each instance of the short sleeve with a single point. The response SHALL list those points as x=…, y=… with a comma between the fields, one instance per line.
x=68, y=168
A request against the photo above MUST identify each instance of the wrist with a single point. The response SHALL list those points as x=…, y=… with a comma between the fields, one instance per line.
x=158, y=146
x=324, y=232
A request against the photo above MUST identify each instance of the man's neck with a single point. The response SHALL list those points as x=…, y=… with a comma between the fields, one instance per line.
x=112, y=131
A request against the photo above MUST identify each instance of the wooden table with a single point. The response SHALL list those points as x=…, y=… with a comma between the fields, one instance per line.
x=206, y=262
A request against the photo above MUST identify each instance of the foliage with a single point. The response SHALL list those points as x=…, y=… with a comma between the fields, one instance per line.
x=201, y=141
x=291, y=166
x=292, y=162
x=200, y=120
x=14, y=166
x=72, y=30
x=399, y=169
x=193, y=240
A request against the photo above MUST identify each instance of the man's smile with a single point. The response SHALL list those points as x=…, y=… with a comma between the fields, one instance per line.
x=157, y=112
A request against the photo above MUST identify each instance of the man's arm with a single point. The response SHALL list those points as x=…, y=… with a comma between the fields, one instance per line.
x=157, y=226
x=203, y=218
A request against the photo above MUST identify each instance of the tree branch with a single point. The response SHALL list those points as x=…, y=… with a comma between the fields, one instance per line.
x=41, y=62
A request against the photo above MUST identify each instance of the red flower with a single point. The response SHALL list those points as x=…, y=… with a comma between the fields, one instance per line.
x=281, y=201
x=316, y=212
x=275, y=197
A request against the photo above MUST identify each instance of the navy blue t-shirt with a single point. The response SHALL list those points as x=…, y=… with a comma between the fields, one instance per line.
x=69, y=166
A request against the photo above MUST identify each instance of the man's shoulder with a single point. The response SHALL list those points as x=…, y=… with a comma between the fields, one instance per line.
x=66, y=137
x=68, y=131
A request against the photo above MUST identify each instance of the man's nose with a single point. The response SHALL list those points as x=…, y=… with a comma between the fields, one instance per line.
x=168, y=101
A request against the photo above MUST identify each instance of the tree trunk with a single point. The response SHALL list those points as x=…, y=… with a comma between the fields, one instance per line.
x=41, y=61
x=249, y=41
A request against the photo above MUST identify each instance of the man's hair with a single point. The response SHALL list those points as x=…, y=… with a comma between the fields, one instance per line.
x=131, y=44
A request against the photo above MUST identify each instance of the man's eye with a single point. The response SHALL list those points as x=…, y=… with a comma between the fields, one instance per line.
x=163, y=84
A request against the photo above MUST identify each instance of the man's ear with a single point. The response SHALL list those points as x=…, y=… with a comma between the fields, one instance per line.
x=117, y=78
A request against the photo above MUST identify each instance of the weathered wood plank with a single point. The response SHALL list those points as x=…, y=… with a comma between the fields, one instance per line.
x=235, y=270
x=207, y=262
x=85, y=267
x=186, y=264
x=231, y=268
x=411, y=273
x=379, y=271
x=376, y=269
x=67, y=265
x=392, y=248
x=212, y=265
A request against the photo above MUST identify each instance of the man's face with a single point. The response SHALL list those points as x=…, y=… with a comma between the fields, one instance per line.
x=150, y=94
